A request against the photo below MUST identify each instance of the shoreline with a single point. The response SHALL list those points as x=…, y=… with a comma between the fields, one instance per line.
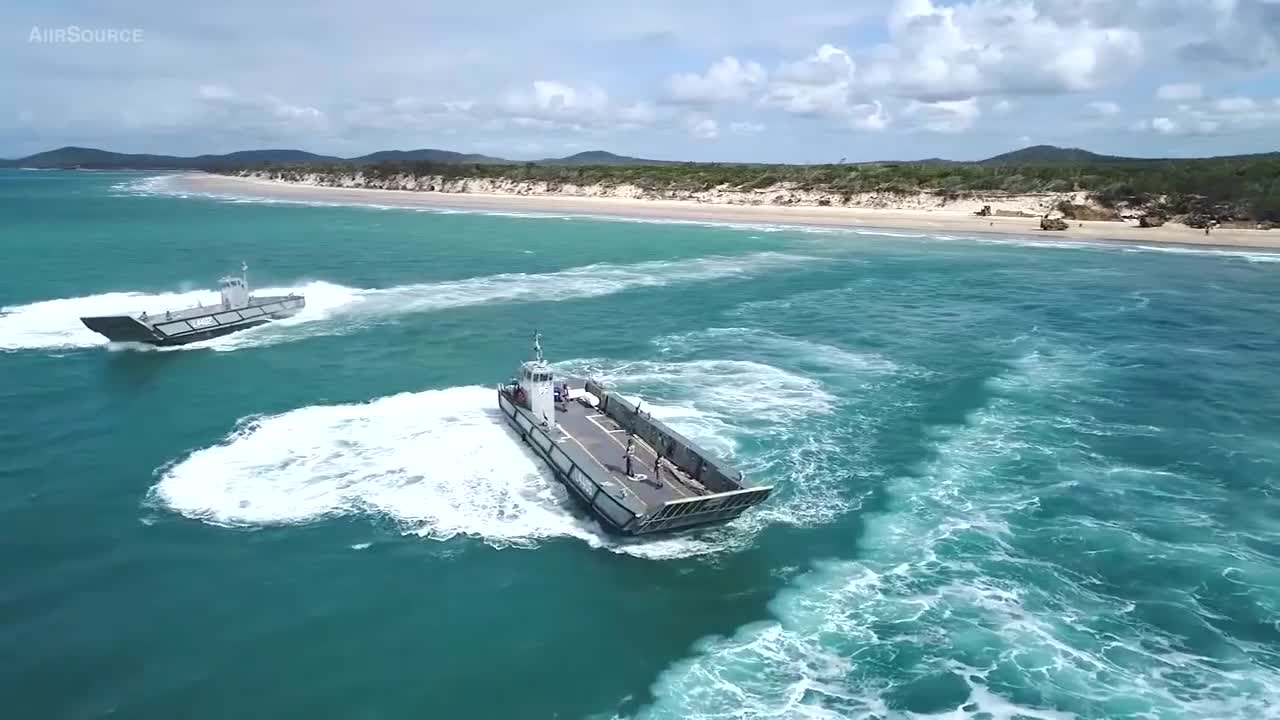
x=920, y=220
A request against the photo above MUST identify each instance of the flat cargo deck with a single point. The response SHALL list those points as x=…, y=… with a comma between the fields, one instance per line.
x=605, y=441
x=672, y=485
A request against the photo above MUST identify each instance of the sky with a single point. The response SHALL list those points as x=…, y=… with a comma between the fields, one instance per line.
x=742, y=80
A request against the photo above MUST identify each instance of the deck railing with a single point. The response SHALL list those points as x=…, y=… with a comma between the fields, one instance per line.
x=564, y=465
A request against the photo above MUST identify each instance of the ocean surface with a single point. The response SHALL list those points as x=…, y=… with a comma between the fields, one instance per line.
x=1015, y=478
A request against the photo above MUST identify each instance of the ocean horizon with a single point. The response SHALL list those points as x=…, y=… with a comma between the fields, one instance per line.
x=1016, y=477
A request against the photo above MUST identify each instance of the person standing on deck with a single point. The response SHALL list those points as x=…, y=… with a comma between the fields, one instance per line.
x=630, y=454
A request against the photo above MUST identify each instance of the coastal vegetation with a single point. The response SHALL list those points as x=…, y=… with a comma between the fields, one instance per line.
x=1241, y=189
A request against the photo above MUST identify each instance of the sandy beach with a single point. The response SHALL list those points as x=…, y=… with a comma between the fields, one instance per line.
x=926, y=220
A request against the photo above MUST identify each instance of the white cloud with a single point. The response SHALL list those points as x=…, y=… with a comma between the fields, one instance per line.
x=1236, y=105
x=817, y=85
x=547, y=105
x=987, y=47
x=215, y=92
x=459, y=106
x=1180, y=91
x=727, y=80
x=548, y=98
x=821, y=85
x=377, y=85
x=868, y=116
x=1235, y=114
x=637, y=115
x=702, y=127
x=944, y=116
x=220, y=105
x=1104, y=108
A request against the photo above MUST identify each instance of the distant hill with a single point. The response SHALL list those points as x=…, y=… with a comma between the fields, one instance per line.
x=254, y=157
x=601, y=157
x=1052, y=155
x=95, y=159
x=423, y=155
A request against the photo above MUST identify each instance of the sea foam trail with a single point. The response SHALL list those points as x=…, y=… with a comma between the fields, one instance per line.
x=439, y=463
x=778, y=426
x=989, y=631
x=335, y=309
x=56, y=323
x=442, y=463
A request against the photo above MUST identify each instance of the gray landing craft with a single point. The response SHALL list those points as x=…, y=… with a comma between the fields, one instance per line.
x=238, y=310
x=635, y=473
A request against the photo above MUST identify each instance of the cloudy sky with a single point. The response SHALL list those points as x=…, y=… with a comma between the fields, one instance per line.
x=744, y=80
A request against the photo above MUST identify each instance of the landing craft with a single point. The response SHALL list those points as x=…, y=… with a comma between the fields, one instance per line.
x=239, y=310
x=635, y=473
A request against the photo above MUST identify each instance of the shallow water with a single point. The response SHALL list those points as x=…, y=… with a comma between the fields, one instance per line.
x=1014, y=478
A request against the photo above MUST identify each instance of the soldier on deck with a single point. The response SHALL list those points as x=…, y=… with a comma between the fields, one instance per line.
x=630, y=454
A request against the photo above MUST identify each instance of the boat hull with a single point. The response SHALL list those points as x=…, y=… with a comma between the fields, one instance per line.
x=585, y=456
x=193, y=325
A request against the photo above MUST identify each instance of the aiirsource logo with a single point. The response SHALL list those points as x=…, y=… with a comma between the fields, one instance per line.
x=76, y=35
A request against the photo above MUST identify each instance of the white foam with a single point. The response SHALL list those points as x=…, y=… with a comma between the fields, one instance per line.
x=440, y=463
x=749, y=342
x=572, y=283
x=718, y=403
x=710, y=389
x=929, y=586
x=56, y=323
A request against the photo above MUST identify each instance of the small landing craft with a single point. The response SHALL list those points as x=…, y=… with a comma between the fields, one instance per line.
x=635, y=473
x=239, y=310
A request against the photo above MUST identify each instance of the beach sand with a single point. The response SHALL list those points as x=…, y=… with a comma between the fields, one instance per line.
x=925, y=220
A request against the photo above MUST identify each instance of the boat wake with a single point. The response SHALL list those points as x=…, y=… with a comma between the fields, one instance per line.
x=953, y=610
x=442, y=463
x=439, y=464
x=335, y=309
x=55, y=324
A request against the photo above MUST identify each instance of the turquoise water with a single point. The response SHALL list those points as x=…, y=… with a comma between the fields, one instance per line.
x=1015, y=478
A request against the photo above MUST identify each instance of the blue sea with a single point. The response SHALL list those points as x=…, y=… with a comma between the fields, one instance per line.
x=1015, y=478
